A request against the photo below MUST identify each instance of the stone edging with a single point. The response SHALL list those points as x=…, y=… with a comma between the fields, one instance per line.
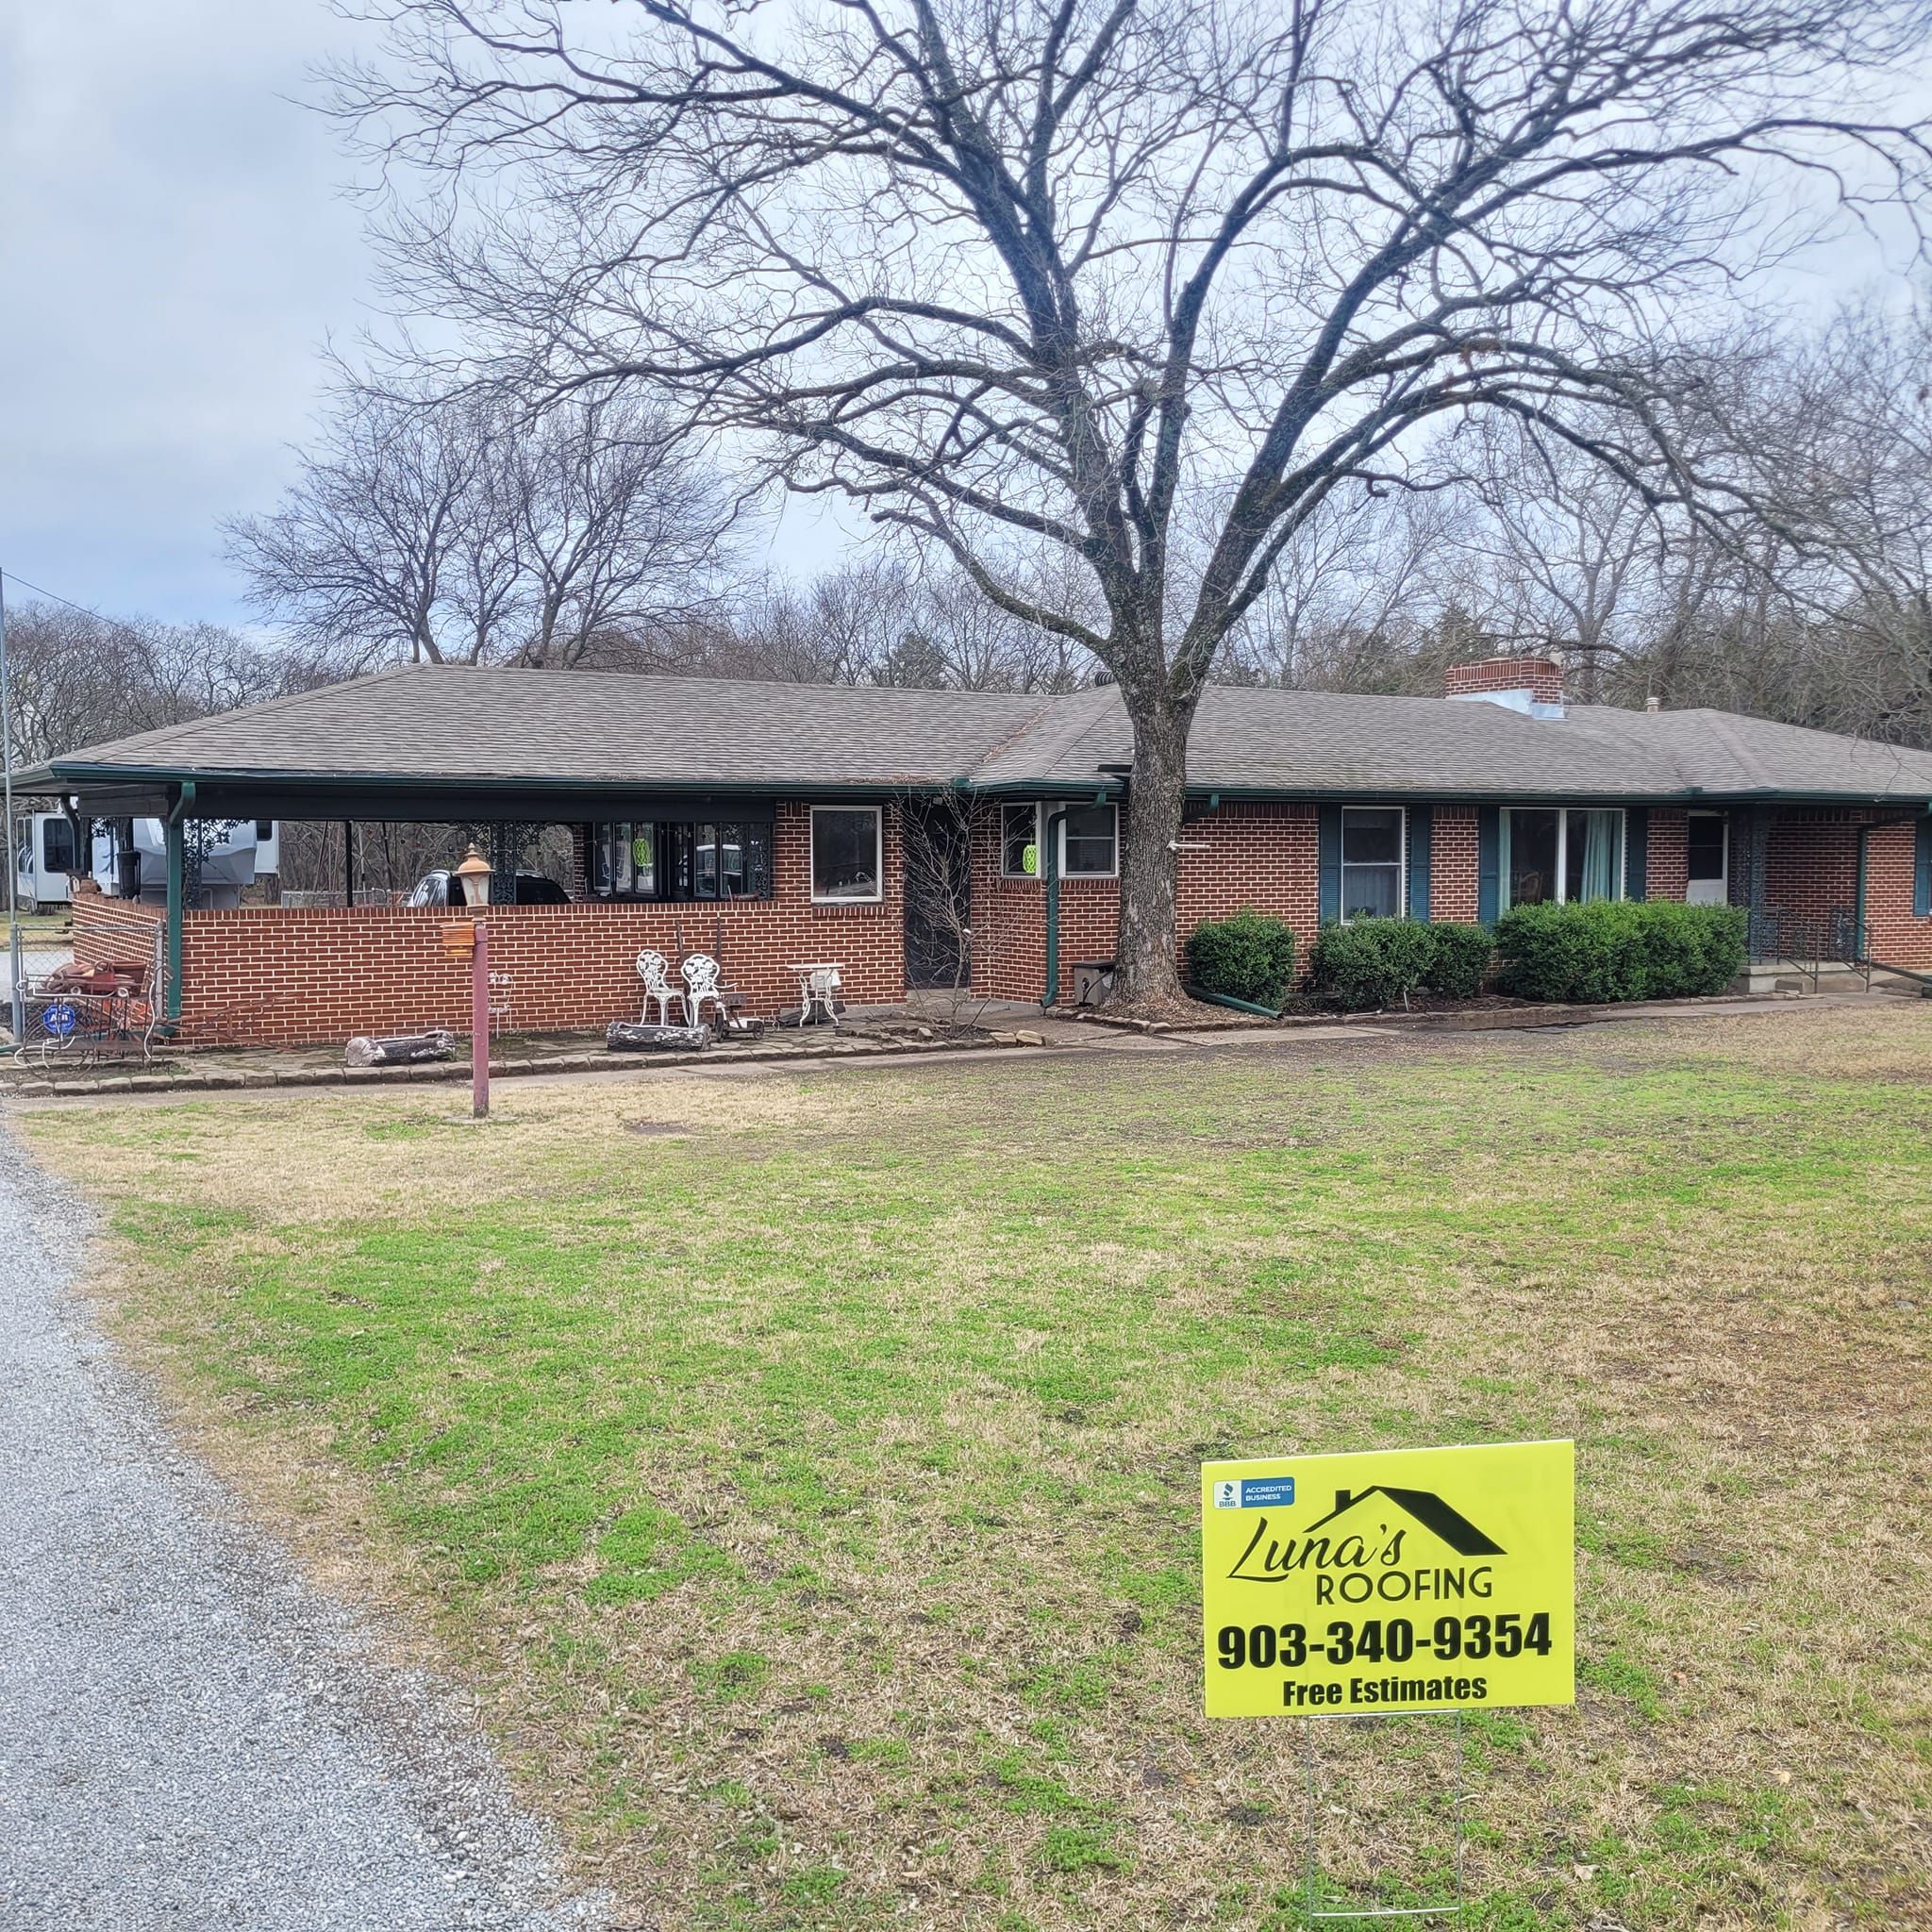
x=32, y=1084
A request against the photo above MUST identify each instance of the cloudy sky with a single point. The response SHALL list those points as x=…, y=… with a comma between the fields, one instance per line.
x=176, y=247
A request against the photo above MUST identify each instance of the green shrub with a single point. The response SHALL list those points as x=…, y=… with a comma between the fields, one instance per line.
x=1373, y=962
x=1379, y=962
x=1250, y=957
x=1461, y=961
x=1707, y=949
x=1619, y=950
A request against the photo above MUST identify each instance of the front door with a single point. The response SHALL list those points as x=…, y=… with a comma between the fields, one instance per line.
x=939, y=888
x=1709, y=852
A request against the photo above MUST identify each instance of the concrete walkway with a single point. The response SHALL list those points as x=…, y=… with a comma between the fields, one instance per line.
x=191, y=1737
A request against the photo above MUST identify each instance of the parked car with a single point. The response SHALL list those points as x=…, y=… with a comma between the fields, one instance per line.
x=444, y=889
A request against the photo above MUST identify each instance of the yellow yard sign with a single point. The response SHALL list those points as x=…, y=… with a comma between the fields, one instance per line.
x=1395, y=1580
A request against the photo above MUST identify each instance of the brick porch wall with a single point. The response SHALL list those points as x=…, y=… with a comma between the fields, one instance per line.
x=310, y=975
x=109, y=930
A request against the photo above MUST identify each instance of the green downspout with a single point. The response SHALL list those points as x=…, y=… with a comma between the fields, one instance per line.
x=1050, y=859
x=175, y=869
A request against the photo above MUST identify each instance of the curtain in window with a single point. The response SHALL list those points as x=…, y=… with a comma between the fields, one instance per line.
x=1600, y=854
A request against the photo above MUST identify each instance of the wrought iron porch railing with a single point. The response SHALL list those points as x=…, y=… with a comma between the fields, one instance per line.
x=1806, y=943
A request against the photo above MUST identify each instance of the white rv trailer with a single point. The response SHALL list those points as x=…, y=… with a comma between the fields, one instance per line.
x=45, y=861
x=250, y=851
x=42, y=862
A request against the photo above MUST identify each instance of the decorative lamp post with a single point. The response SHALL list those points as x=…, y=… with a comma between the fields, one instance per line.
x=472, y=874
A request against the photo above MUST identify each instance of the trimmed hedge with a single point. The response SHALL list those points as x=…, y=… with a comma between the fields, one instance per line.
x=1250, y=957
x=1619, y=950
x=1379, y=962
x=1461, y=965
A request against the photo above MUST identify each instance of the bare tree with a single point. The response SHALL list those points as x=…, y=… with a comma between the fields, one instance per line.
x=1575, y=545
x=385, y=547
x=80, y=678
x=456, y=530
x=1373, y=594
x=615, y=530
x=1021, y=276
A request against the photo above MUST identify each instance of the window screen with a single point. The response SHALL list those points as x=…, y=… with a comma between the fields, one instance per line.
x=845, y=852
x=1087, y=841
x=1372, y=863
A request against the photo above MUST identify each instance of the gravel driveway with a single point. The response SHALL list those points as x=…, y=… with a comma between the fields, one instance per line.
x=190, y=1736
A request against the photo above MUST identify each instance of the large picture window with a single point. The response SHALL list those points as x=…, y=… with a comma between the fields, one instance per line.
x=1020, y=841
x=1561, y=855
x=1090, y=843
x=847, y=863
x=1371, y=862
x=653, y=859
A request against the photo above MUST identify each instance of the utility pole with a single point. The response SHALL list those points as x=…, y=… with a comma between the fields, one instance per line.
x=16, y=991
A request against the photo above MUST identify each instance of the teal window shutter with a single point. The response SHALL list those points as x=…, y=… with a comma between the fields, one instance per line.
x=1921, y=870
x=1637, y=853
x=1328, y=860
x=1488, y=863
x=1418, y=862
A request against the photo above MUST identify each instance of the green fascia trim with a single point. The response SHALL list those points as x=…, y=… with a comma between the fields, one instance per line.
x=62, y=775
x=66, y=775
x=1603, y=800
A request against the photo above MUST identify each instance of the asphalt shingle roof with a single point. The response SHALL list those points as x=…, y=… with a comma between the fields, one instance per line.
x=449, y=722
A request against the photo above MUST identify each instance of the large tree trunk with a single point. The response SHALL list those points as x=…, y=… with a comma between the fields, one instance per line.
x=1146, y=970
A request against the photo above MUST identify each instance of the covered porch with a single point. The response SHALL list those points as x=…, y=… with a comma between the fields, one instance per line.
x=1829, y=890
x=764, y=884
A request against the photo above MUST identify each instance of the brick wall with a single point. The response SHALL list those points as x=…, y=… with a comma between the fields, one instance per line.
x=1009, y=921
x=1667, y=866
x=110, y=929
x=1542, y=678
x=296, y=976
x=1259, y=855
x=1453, y=864
x=1811, y=868
x=1810, y=862
x=1892, y=933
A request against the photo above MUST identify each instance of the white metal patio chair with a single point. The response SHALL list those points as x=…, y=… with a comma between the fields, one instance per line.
x=700, y=973
x=654, y=971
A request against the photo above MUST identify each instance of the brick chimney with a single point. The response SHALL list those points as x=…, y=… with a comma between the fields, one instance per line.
x=1534, y=685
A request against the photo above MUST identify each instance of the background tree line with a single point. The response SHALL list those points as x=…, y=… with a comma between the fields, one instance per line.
x=460, y=532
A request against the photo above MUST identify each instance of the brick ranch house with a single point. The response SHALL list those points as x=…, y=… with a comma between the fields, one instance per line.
x=773, y=820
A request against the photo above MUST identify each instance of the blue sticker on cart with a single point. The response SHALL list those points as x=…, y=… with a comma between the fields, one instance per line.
x=60, y=1019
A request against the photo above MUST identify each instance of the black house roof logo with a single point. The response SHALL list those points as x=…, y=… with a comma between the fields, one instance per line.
x=1438, y=1518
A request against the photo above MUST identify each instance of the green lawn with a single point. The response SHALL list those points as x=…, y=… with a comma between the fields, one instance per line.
x=807, y=1480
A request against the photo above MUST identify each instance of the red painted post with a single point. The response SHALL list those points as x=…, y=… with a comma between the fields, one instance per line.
x=479, y=1023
